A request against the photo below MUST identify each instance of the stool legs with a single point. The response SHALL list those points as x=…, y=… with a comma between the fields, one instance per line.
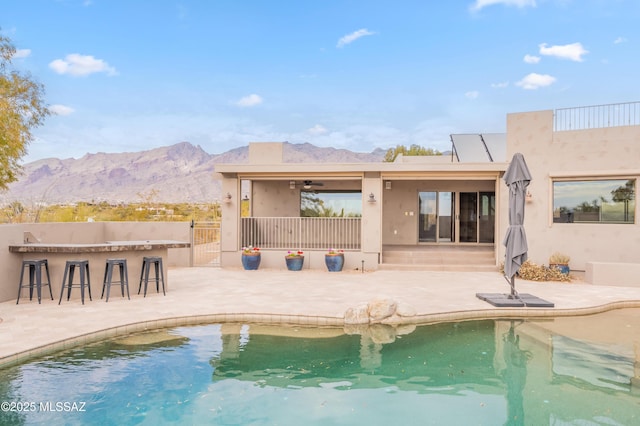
x=35, y=278
x=108, y=275
x=159, y=274
x=85, y=279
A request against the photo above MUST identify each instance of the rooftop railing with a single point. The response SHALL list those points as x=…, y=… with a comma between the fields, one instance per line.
x=597, y=116
x=306, y=233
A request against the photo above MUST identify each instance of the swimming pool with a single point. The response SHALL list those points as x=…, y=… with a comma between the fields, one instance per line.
x=583, y=370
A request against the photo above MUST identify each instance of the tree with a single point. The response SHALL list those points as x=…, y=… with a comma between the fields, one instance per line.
x=22, y=108
x=414, y=149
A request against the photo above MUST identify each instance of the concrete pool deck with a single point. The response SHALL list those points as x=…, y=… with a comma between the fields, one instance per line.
x=315, y=298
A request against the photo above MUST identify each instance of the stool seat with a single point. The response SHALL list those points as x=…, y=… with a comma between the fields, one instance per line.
x=35, y=278
x=156, y=261
x=108, y=274
x=85, y=279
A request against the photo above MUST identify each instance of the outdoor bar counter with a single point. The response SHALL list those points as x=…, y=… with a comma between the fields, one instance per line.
x=97, y=254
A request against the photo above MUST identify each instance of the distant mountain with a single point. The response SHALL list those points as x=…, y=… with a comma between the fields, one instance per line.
x=177, y=173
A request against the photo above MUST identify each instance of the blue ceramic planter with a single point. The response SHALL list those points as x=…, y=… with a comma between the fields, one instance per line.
x=561, y=267
x=251, y=262
x=294, y=263
x=334, y=262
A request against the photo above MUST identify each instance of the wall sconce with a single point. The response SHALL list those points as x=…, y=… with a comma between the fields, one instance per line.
x=372, y=198
x=227, y=198
x=387, y=185
x=292, y=184
x=529, y=197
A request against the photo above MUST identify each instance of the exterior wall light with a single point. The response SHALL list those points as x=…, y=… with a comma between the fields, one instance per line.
x=227, y=198
x=372, y=198
x=292, y=184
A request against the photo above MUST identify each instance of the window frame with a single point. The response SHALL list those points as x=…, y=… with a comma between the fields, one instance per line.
x=593, y=178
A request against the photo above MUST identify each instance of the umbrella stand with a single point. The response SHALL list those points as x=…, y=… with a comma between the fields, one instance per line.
x=512, y=282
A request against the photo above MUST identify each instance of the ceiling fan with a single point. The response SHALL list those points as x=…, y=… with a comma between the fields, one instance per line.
x=309, y=183
x=306, y=184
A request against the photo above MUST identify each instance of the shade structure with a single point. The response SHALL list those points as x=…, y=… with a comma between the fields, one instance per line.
x=517, y=177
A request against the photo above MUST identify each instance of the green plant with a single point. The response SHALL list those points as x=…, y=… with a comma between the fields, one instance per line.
x=558, y=258
x=335, y=251
x=250, y=250
x=295, y=253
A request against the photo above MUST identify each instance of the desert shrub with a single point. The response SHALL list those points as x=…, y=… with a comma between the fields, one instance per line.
x=532, y=272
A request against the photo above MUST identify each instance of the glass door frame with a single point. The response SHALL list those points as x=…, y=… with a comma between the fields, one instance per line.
x=435, y=208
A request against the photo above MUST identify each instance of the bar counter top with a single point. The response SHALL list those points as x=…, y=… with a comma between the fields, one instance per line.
x=108, y=246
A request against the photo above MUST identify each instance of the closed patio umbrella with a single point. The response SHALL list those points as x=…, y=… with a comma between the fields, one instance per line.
x=517, y=177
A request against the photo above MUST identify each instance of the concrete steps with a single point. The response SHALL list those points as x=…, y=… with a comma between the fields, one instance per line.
x=439, y=258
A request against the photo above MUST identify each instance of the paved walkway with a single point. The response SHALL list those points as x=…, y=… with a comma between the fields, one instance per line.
x=200, y=295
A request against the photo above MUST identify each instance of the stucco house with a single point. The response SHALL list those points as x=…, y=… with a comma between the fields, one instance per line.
x=448, y=212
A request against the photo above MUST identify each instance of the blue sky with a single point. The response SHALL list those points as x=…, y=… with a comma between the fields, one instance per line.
x=132, y=75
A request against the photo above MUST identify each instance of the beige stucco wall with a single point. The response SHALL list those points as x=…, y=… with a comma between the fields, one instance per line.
x=9, y=262
x=274, y=199
x=597, y=153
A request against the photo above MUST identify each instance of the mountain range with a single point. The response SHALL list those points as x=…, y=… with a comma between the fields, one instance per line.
x=180, y=173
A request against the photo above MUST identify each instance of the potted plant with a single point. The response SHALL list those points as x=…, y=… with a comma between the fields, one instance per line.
x=560, y=261
x=250, y=258
x=294, y=260
x=334, y=259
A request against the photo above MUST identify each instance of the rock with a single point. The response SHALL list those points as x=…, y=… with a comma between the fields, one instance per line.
x=357, y=315
x=381, y=308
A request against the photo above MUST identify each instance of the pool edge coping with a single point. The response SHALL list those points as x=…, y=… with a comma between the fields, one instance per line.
x=302, y=320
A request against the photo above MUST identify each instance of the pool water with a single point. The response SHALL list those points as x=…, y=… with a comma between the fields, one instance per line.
x=462, y=373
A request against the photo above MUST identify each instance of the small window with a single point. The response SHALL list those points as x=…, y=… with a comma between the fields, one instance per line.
x=594, y=201
x=331, y=204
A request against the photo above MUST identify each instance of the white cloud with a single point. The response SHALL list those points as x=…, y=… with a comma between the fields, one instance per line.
x=573, y=51
x=530, y=59
x=620, y=40
x=500, y=85
x=534, y=81
x=250, y=100
x=81, y=65
x=472, y=94
x=350, y=38
x=21, y=53
x=61, y=109
x=318, y=129
x=479, y=4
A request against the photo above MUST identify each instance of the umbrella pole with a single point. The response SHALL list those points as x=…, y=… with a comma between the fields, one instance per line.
x=513, y=294
x=512, y=283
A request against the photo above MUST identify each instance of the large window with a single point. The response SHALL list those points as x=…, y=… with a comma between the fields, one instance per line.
x=330, y=204
x=594, y=201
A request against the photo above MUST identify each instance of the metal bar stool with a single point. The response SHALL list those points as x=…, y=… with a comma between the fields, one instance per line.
x=35, y=278
x=69, y=269
x=108, y=273
x=144, y=273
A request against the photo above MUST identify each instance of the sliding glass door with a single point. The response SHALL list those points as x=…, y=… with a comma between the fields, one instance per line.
x=435, y=219
x=473, y=217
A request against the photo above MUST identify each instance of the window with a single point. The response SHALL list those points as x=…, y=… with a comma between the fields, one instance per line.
x=330, y=204
x=594, y=201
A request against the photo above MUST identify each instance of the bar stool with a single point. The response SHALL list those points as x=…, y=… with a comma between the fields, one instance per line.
x=69, y=269
x=35, y=278
x=144, y=273
x=108, y=273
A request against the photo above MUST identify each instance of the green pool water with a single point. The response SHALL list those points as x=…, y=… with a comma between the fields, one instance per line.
x=571, y=371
